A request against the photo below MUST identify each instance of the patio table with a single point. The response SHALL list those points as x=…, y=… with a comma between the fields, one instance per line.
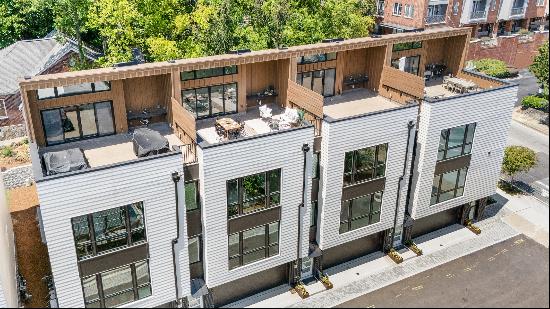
x=229, y=126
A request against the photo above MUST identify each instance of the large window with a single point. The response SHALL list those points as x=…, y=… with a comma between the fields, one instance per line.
x=77, y=122
x=62, y=91
x=321, y=81
x=365, y=164
x=316, y=58
x=211, y=101
x=361, y=211
x=198, y=74
x=118, y=286
x=406, y=46
x=110, y=229
x=253, y=245
x=192, y=201
x=397, y=9
x=456, y=141
x=409, y=10
x=448, y=186
x=407, y=64
x=252, y=193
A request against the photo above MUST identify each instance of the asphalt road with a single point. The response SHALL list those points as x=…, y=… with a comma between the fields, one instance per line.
x=513, y=273
x=527, y=84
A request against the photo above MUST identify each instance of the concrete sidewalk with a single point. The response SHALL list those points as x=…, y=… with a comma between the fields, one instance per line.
x=509, y=217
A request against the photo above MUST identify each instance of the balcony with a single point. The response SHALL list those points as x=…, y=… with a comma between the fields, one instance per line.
x=478, y=15
x=517, y=11
x=435, y=19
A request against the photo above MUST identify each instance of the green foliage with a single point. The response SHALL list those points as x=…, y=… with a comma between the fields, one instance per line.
x=540, y=67
x=492, y=67
x=25, y=141
x=7, y=151
x=518, y=159
x=24, y=19
x=535, y=102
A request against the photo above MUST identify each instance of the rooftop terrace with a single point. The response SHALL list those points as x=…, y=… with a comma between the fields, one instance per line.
x=356, y=102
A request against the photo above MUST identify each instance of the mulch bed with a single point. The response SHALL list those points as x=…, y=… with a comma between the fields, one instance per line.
x=32, y=254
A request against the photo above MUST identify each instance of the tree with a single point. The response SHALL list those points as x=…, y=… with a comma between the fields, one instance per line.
x=518, y=159
x=71, y=17
x=23, y=20
x=539, y=67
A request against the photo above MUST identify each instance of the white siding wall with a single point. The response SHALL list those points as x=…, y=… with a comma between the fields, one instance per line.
x=8, y=263
x=149, y=181
x=343, y=136
x=492, y=111
x=225, y=162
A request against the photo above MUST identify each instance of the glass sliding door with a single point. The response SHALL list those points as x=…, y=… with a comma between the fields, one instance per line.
x=203, y=102
x=216, y=94
x=105, y=121
x=317, y=85
x=330, y=77
x=88, y=120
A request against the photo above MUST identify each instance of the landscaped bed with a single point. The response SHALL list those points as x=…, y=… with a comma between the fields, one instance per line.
x=15, y=154
x=32, y=254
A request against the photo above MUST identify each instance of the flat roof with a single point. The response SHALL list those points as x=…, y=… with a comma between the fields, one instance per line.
x=166, y=67
x=356, y=102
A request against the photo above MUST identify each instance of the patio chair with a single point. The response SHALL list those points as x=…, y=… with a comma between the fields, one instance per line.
x=265, y=112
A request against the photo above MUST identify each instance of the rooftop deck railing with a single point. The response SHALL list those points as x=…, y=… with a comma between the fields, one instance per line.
x=478, y=14
x=517, y=11
x=435, y=19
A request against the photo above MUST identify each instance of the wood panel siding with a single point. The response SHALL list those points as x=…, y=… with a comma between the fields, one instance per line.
x=242, y=71
x=481, y=81
x=342, y=136
x=183, y=122
x=368, y=61
x=422, y=52
x=459, y=46
x=404, y=82
x=157, y=68
x=260, y=76
x=116, y=95
x=491, y=110
x=286, y=70
x=148, y=181
x=306, y=99
x=247, y=157
x=147, y=92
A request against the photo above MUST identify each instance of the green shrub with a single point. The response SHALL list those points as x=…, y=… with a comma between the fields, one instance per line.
x=492, y=67
x=535, y=102
x=26, y=140
x=6, y=152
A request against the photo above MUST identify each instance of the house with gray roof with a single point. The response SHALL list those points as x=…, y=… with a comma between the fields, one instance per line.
x=29, y=58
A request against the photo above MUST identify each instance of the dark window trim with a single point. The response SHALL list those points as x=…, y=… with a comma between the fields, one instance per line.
x=349, y=214
x=454, y=190
x=314, y=213
x=82, y=137
x=56, y=95
x=223, y=73
x=301, y=58
x=209, y=87
x=91, y=233
x=447, y=133
x=407, y=46
x=376, y=166
x=101, y=293
x=300, y=80
x=240, y=189
x=267, y=246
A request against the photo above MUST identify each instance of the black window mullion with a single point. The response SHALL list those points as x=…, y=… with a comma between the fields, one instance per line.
x=99, y=282
x=241, y=195
x=93, y=87
x=447, y=135
x=350, y=214
x=134, y=281
x=241, y=248
x=128, y=229
x=266, y=241
x=439, y=187
x=91, y=228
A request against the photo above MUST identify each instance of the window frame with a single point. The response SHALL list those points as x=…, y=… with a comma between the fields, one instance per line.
x=266, y=248
x=397, y=9
x=375, y=166
x=199, y=248
x=407, y=46
x=224, y=72
x=455, y=189
x=408, y=68
x=92, y=235
x=57, y=95
x=267, y=196
x=300, y=59
x=197, y=195
x=101, y=297
x=210, y=114
x=349, y=212
x=463, y=145
x=300, y=81
x=78, y=126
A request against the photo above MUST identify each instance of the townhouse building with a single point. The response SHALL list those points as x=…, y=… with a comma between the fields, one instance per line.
x=197, y=182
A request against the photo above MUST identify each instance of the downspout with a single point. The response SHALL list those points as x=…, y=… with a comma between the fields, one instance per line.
x=410, y=126
x=305, y=150
x=176, y=242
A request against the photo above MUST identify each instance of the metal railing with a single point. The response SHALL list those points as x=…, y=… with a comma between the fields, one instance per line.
x=478, y=14
x=189, y=153
x=517, y=11
x=435, y=19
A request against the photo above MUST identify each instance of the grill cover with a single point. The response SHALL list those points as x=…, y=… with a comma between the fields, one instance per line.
x=57, y=162
x=148, y=142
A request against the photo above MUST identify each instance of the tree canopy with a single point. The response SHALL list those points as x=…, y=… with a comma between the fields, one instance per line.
x=169, y=29
x=518, y=159
x=540, y=67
